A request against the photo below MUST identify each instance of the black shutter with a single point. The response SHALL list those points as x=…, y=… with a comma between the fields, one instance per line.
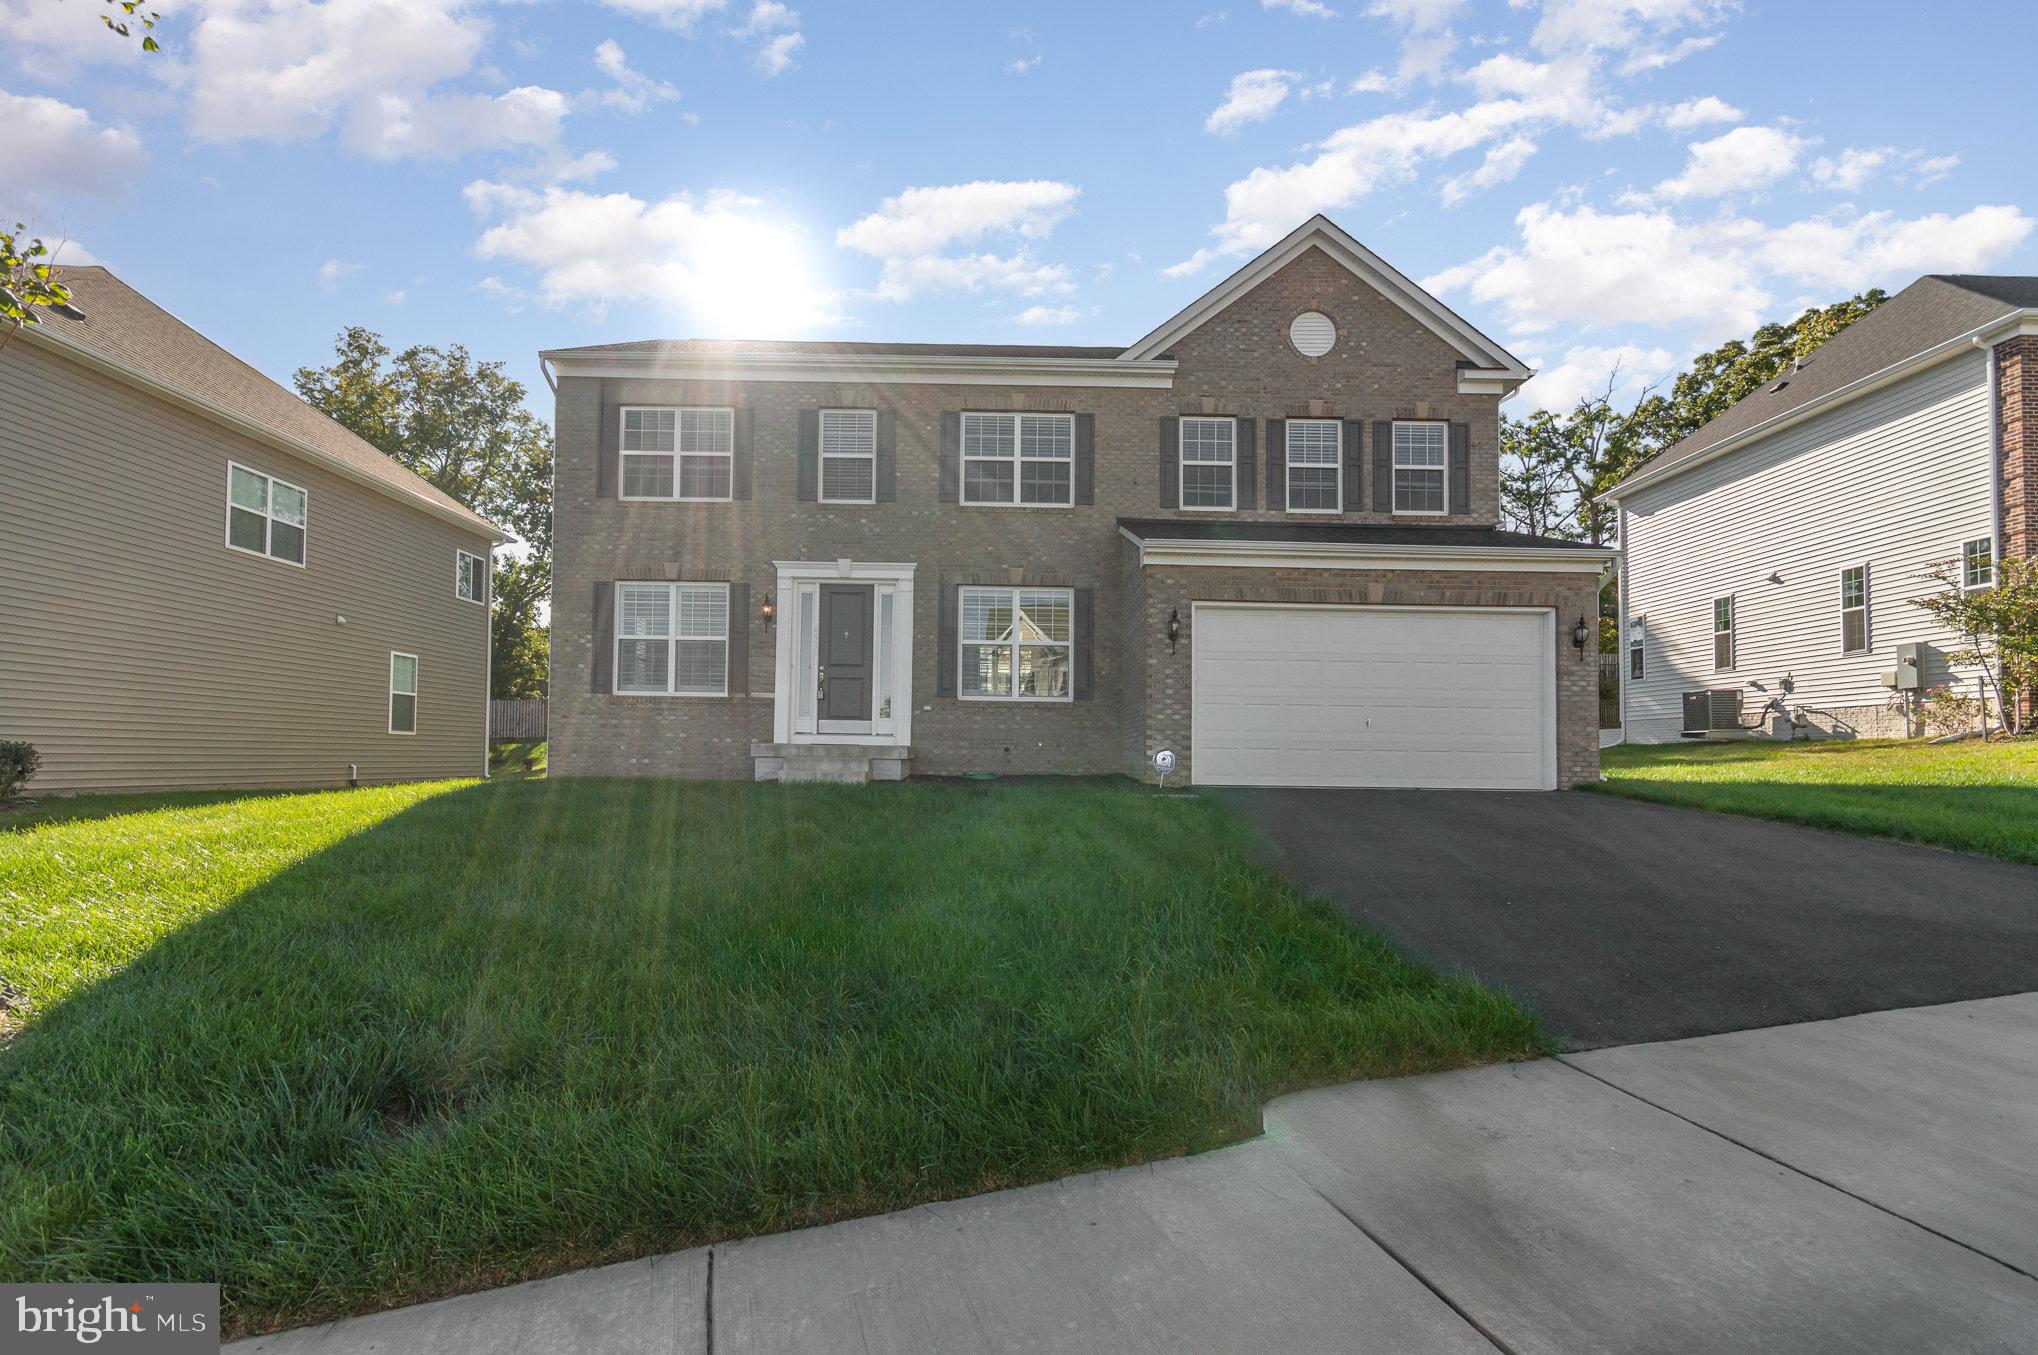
x=1248, y=464
x=947, y=659
x=1383, y=467
x=1085, y=644
x=887, y=455
x=739, y=639
x=739, y=464
x=1277, y=463
x=608, y=443
x=604, y=639
x=951, y=463
x=810, y=455
x=1171, y=462
x=1355, y=466
x=1461, y=468
x=1086, y=458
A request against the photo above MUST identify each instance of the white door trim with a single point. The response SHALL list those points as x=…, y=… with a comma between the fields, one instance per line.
x=892, y=650
x=1548, y=672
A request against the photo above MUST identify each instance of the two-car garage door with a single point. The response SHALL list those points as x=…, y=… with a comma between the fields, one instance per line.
x=1354, y=696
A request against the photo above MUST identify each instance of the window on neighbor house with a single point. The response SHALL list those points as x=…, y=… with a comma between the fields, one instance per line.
x=1978, y=563
x=265, y=516
x=1723, y=632
x=470, y=581
x=403, y=693
x=1854, y=609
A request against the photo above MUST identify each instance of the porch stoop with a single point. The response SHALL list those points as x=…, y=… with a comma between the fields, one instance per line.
x=845, y=763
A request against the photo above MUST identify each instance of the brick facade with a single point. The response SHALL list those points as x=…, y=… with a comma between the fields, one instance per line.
x=1385, y=365
x=2017, y=429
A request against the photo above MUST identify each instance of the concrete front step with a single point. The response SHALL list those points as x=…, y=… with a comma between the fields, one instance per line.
x=840, y=763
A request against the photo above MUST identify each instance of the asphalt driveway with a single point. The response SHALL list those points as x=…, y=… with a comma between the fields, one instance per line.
x=1622, y=922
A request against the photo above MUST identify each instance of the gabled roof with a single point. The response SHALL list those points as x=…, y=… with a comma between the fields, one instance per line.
x=1320, y=232
x=1930, y=313
x=131, y=338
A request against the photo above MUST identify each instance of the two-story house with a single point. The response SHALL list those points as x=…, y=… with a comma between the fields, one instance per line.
x=1262, y=539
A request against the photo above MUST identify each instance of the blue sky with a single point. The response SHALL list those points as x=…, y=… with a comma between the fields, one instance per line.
x=1586, y=180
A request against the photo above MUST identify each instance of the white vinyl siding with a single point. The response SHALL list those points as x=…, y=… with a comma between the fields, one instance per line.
x=848, y=456
x=672, y=639
x=1421, y=461
x=678, y=453
x=1315, y=457
x=470, y=580
x=403, y=693
x=264, y=515
x=1209, y=450
x=1017, y=644
x=1023, y=459
x=1901, y=477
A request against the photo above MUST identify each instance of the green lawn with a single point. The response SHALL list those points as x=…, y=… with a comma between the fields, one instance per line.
x=348, y=1049
x=1972, y=796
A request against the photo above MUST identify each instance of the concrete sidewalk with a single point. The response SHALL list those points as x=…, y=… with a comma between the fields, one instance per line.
x=1869, y=1183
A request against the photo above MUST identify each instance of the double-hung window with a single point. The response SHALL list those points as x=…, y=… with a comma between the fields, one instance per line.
x=672, y=639
x=848, y=456
x=1209, y=463
x=1723, y=632
x=1315, y=465
x=470, y=580
x=1018, y=458
x=678, y=453
x=265, y=516
x=1638, y=661
x=1978, y=563
x=403, y=693
x=1854, y=609
x=1420, y=453
x=1016, y=643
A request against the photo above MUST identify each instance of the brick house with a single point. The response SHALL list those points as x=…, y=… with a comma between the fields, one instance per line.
x=1263, y=538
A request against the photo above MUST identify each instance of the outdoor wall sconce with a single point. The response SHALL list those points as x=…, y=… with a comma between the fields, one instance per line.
x=768, y=610
x=1174, y=627
x=1580, y=633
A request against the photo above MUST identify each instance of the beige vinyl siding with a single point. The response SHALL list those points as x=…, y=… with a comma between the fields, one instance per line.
x=1896, y=480
x=141, y=652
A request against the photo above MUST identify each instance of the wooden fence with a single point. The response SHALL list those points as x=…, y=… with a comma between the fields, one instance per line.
x=516, y=721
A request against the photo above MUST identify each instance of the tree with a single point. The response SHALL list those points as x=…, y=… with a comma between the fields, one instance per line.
x=519, y=646
x=29, y=282
x=1998, y=626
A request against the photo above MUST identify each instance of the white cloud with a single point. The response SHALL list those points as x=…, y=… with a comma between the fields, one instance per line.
x=1035, y=316
x=332, y=270
x=1655, y=58
x=1929, y=169
x=678, y=15
x=1850, y=253
x=1213, y=18
x=49, y=38
x=395, y=298
x=1418, y=16
x=47, y=142
x=909, y=232
x=1621, y=25
x=1699, y=112
x=1744, y=159
x=1253, y=97
x=1585, y=370
x=633, y=91
x=1020, y=65
x=780, y=29
x=719, y=258
x=1850, y=169
x=1307, y=8
x=1501, y=165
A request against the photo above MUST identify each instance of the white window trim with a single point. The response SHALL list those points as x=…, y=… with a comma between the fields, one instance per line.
x=1288, y=479
x=480, y=578
x=267, y=518
x=1394, y=465
x=822, y=454
x=1867, y=637
x=417, y=681
x=678, y=411
x=672, y=587
x=1638, y=659
x=962, y=644
x=1182, y=464
x=1967, y=587
x=1732, y=632
x=1018, y=459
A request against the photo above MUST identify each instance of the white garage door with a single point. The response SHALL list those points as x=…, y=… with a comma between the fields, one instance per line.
x=1351, y=696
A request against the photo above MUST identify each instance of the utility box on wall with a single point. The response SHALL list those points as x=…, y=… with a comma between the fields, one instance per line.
x=1909, y=674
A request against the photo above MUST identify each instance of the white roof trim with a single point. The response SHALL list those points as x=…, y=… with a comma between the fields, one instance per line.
x=1368, y=555
x=1321, y=232
x=899, y=368
x=246, y=427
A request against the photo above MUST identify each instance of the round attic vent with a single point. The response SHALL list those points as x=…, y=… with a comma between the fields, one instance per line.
x=1312, y=333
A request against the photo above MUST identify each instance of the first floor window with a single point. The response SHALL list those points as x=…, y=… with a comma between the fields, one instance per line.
x=1209, y=462
x=1723, y=632
x=264, y=516
x=403, y=693
x=672, y=639
x=1978, y=563
x=1018, y=458
x=470, y=581
x=1419, y=455
x=678, y=453
x=1637, y=662
x=1016, y=643
x=1854, y=609
x=848, y=455
x=1315, y=465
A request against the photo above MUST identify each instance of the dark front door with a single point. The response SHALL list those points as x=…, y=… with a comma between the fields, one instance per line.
x=846, y=635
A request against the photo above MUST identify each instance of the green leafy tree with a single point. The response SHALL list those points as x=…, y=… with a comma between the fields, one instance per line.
x=132, y=17
x=29, y=282
x=1998, y=627
x=520, y=644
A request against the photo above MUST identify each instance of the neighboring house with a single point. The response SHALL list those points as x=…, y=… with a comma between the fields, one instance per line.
x=1262, y=538
x=1774, y=553
x=206, y=582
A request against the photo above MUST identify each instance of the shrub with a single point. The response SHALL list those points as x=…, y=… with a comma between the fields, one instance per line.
x=18, y=765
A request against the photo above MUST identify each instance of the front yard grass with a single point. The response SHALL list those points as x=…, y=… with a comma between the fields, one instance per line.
x=350, y=1049
x=1971, y=796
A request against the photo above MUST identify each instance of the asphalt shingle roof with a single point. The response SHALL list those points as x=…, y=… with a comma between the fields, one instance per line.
x=1343, y=533
x=800, y=347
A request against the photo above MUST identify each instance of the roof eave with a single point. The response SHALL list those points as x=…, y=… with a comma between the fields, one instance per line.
x=1305, y=554
x=935, y=369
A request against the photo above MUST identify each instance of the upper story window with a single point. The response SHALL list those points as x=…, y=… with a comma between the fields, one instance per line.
x=1209, y=463
x=678, y=453
x=848, y=456
x=1723, y=632
x=265, y=516
x=470, y=580
x=1016, y=644
x=1315, y=465
x=1854, y=609
x=1018, y=459
x=672, y=639
x=1978, y=563
x=403, y=693
x=1420, y=453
